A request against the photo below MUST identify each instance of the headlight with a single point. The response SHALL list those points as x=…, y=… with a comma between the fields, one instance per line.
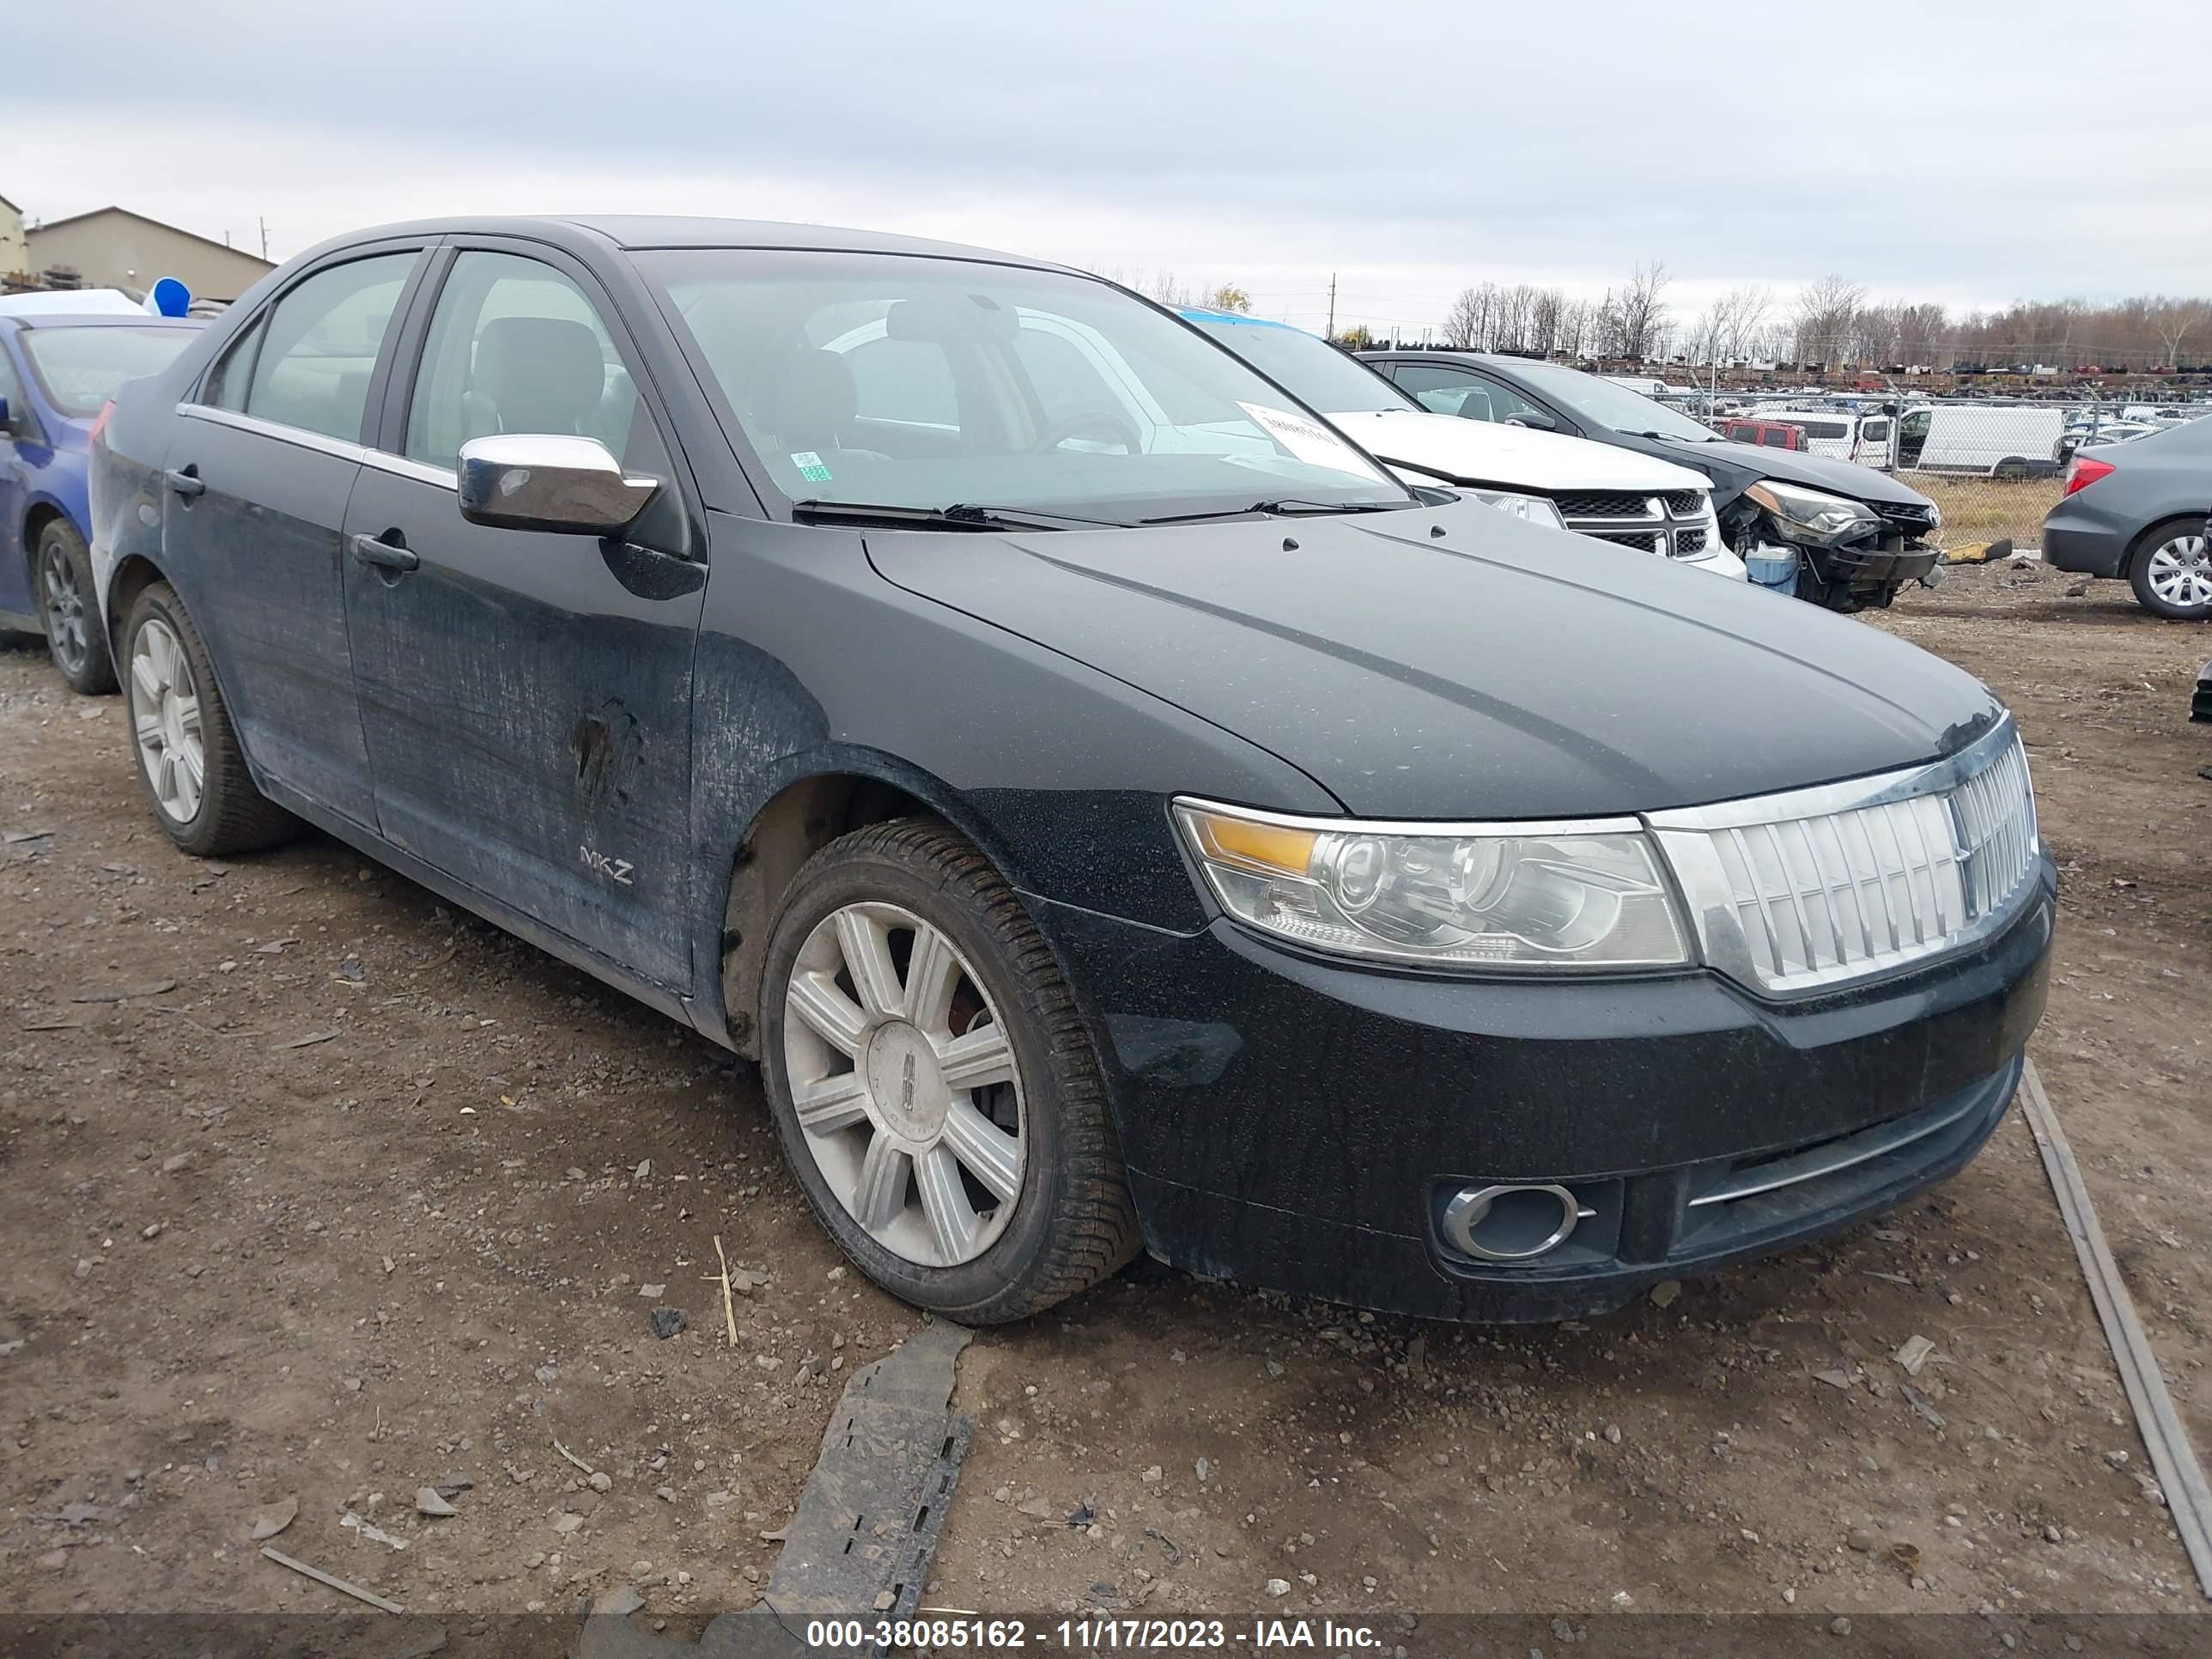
x=1507, y=895
x=1823, y=519
x=1534, y=508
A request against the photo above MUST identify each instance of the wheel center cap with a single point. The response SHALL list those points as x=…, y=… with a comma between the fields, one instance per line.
x=906, y=1083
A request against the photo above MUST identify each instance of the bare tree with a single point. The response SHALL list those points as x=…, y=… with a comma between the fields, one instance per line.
x=1465, y=321
x=1544, y=321
x=1824, y=313
x=2174, y=321
x=1638, y=313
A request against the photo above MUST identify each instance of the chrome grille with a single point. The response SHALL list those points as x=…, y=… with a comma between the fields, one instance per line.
x=1824, y=886
x=1676, y=523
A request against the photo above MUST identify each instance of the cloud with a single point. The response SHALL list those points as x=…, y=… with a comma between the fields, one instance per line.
x=1409, y=148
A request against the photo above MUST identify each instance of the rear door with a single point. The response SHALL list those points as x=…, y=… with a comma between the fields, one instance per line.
x=528, y=696
x=260, y=464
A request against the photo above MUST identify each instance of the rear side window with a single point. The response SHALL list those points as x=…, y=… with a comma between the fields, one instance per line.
x=234, y=376
x=313, y=367
x=1066, y=383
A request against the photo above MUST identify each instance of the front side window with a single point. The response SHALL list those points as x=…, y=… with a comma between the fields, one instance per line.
x=82, y=368
x=320, y=346
x=515, y=346
x=1874, y=432
x=1596, y=402
x=884, y=380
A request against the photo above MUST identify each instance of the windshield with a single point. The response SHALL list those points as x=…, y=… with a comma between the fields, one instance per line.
x=80, y=368
x=1611, y=406
x=1314, y=371
x=893, y=380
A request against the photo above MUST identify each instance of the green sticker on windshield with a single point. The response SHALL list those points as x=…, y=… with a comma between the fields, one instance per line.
x=810, y=467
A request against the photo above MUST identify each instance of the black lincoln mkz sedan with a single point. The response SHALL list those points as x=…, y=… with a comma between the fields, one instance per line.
x=1113, y=811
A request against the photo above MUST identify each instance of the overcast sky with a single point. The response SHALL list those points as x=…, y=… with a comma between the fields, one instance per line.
x=1966, y=153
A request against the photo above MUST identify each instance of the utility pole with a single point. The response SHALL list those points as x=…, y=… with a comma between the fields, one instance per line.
x=264, y=238
x=1332, y=305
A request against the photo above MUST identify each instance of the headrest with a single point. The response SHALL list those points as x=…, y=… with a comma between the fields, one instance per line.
x=544, y=373
x=809, y=395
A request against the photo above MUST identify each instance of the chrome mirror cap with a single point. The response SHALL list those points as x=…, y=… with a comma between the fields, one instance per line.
x=549, y=481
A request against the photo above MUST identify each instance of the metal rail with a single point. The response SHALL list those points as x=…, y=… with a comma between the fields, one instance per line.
x=2172, y=1459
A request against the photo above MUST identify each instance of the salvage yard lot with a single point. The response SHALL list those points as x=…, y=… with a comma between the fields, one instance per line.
x=242, y=1272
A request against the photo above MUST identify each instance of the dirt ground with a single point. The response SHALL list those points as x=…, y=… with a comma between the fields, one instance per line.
x=349, y=1195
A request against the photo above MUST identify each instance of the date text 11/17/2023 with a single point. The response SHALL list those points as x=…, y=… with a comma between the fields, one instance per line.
x=951, y=1632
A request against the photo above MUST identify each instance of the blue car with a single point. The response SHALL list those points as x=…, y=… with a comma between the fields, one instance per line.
x=57, y=372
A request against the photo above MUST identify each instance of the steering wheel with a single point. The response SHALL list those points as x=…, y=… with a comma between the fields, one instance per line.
x=1094, y=423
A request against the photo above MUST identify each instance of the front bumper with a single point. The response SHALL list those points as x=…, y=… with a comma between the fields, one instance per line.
x=1297, y=1124
x=1889, y=564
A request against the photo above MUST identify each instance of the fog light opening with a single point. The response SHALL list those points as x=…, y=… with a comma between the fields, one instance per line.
x=1510, y=1222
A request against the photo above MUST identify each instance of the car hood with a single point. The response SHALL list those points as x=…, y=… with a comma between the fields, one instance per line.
x=1495, y=670
x=1753, y=462
x=1511, y=456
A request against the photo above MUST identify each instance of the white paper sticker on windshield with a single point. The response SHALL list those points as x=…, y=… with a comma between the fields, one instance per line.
x=810, y=467
x=1308, y=440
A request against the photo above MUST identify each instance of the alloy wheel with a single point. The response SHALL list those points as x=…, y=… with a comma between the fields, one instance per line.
x=905, y=1083
x=64, y=607
x=165, y=713
x=2181, y=571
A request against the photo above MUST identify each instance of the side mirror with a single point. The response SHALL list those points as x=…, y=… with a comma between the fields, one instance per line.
x=1534, y=419
x=549, y=481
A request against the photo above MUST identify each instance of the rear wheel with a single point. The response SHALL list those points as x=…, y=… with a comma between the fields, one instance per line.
x=75, y=639
x=2171, y=571
x=935, y=1090
x=189, y=759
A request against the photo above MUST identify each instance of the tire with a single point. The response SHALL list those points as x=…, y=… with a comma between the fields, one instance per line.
x=2010, y=471
x=61, y=576
x=1056, y=1217
x=175, y=704
x=2171, y=570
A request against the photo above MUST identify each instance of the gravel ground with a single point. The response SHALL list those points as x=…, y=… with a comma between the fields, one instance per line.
x=327, y=1194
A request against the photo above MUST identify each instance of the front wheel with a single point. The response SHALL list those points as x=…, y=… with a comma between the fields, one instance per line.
x=935, y=1090
x=75, y=639
x=2172, y=574
x=189, y=759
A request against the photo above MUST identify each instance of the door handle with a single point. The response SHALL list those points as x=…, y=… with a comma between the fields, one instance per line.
x=370, y=549
x=183, y=483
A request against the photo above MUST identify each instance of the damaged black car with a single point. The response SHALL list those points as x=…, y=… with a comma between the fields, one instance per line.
x=1846, y=538
x=1116, y=813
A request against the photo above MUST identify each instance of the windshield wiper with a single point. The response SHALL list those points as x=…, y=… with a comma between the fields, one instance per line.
x=1286, y=507
x=961, y=515
x=1677, y=438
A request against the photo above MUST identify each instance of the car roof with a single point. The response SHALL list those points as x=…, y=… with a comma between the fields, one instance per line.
x=633, y=231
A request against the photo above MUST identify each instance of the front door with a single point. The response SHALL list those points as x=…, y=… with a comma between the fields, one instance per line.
x=528, y=696
x=259, y=470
